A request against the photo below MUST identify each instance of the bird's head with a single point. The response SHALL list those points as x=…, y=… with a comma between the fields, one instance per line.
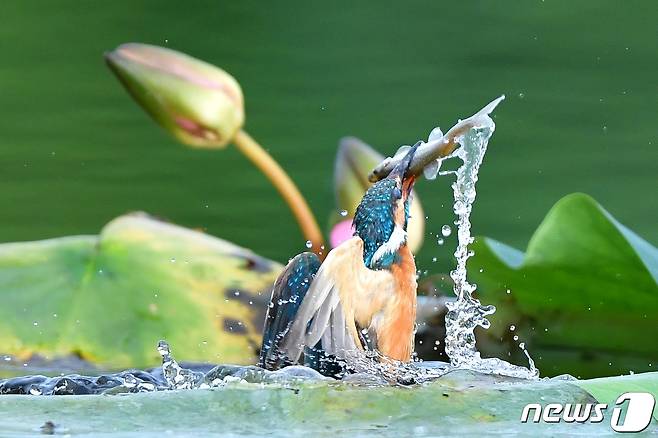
x=381, y=217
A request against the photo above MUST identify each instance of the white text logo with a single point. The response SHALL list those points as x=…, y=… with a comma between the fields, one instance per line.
x=637, y=407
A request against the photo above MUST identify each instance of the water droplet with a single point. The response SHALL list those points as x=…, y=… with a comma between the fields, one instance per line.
x=309, y=244
x=508, y=291
x=35, y=323
x=439, y=241
x=437, y=342
x=173, y=260
x=516, y=338
x=446, y=230
x=343, y=213
x=512, y=328
x=434, y=259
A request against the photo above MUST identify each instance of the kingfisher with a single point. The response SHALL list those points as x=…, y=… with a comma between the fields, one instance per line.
x=361, y=299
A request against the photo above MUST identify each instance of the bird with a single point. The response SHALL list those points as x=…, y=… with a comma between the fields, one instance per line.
x=361, y=298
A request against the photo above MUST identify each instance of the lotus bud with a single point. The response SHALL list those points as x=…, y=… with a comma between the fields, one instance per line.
x=200, y=104
x=354, y=162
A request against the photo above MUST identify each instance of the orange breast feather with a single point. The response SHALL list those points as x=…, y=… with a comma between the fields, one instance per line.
x=396, y=333
x=383, y=300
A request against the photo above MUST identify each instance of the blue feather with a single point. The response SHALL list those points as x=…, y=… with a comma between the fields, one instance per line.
x=289, y=291
x=373, y=221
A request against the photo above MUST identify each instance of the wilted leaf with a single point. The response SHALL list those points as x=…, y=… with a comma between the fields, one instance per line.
x=110, y=298
x=584, y=295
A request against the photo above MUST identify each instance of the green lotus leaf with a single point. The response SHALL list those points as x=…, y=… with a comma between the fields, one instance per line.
x=584, y=296
x=460, y=403
x=110, y=298
x=608, y=389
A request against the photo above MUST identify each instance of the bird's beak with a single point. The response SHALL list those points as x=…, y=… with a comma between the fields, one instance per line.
x=400, y=171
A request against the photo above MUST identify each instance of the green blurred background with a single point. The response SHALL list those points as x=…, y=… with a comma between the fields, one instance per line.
x=581, y=80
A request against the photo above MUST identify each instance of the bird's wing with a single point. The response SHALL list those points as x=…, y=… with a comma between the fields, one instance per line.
x=287, y=295
x=327, y=312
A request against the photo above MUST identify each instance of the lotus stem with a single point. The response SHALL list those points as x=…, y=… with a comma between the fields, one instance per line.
x=285, y=186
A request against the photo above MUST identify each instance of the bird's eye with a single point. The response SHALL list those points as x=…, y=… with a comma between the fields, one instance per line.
x=397, y=193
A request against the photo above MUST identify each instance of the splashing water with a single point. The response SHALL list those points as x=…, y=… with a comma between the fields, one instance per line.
x=176, y=376
x=467, y=313
x=172, y=376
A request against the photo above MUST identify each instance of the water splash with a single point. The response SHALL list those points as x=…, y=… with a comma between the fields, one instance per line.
x=175, y=376
x=172, y=376
x=372, y=367
x=467, y=313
